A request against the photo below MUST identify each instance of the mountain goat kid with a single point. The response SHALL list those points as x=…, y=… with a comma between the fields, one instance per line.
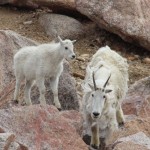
x=39, y=62
x=105, y=86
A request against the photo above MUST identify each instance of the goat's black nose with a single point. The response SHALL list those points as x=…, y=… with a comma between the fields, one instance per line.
x=73, y=56
x=95, y=114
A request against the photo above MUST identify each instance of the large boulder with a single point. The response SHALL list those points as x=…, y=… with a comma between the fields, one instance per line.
x=129, y=19
x=39, y=127
x=7, y=142
x=137, y=101
x=62, y=25
x=53, y=4
x=129, y=146
x=133, y=142
x=10, y=42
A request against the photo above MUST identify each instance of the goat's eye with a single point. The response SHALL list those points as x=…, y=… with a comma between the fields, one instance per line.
x=66, y=48
x=92, y=95
x=104, y=96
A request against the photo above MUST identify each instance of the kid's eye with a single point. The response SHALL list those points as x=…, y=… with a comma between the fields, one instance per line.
x=92, y=95
x=66, y=48
x=104, y=96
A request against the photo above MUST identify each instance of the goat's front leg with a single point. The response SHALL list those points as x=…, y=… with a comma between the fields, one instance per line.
x=27, y=92
x=95, y=142
x=120, y=116
x=42, y=89
x=54, y=86
x=113, y=126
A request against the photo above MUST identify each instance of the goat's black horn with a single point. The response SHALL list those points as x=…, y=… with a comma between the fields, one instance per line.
x=107, y=81
x=94, y=82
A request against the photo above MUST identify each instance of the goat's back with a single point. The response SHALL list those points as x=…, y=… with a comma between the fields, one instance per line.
x=117, y=65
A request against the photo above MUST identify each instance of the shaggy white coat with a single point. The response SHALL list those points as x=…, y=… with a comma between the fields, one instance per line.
x=105, y=62
x=37, y=63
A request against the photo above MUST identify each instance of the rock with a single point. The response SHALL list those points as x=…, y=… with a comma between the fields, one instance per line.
x=14, y=146
x=28, y=22
x=10, y=42
x=76, y=74
x=129, y=146
x=5, y=140
x=138, y=141
x=131, y=58
x=83, y=67
x=137, y=99
x=146, y=60
x=54, y=5
x=85, y=56
x=39, y=127
x=128, y=19
x=64, y=26
x=80, y=59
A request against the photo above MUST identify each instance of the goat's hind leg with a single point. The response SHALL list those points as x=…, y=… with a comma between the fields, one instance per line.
x=54, y=87
x=17, y=89
x=42, y=89
x=27, y=92
x=95, y=142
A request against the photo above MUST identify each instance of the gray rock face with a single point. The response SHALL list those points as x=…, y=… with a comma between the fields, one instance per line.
x=53, y=4
x=136, y=141
x=129, y=19
x=42, y=128
x=10, y=42
x=64, y=26
x=137, y=101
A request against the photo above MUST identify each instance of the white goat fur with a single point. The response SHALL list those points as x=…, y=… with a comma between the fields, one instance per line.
x=39, y=62
x=105, y=62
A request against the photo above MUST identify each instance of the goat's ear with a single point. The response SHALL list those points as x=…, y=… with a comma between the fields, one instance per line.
x=108, y=91
x=92, y=88
x=74, y=41
x=60, y=40
x=87, y=87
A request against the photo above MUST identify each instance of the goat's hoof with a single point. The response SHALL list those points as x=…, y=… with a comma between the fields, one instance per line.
x=95, y=147
x=59, y=109
x=43, y=103
x=16, y=101
x=28, y=104
x=121, y=124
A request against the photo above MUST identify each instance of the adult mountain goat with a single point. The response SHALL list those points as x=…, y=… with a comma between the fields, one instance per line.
x=39, y=62
x=105, y=86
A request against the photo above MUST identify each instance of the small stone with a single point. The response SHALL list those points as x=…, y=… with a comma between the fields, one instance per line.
x=83, y=67
x=80, y=58
x=14, y=146
x=28, y=22
x=5, y=140
x=146, y=60
x=85, y=56
x=131, y=58
x=137, y=56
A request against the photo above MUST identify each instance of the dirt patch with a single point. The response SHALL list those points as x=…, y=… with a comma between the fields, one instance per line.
x=26, y=23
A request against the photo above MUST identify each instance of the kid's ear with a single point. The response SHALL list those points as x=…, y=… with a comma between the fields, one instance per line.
x=74, y=41
x=60, y=40
x=108, y=91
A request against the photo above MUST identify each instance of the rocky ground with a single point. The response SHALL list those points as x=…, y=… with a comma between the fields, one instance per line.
x=136, y=105
x=26, y=23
